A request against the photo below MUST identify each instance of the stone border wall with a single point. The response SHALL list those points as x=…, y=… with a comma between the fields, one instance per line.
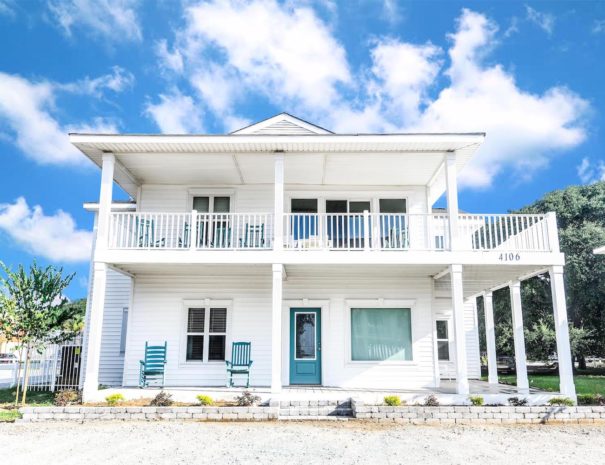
x=415, y=414
x=75, y=413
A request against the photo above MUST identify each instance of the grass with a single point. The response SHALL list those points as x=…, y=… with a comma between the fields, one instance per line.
x=585, y=384
x=9, y=416
x=8, y=412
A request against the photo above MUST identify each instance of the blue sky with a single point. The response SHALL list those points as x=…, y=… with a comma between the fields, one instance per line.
x=529, y=73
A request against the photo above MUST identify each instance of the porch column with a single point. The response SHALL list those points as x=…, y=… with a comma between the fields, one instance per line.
x=276, y=327
x=452, y=198
x=557, y=288
x=490, y=338
x=519, y=338
x=105, y=198
x=95, y=330
x=459, y=332
x=278, y=243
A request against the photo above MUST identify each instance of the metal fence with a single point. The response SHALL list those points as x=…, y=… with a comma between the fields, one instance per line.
x=54, y=369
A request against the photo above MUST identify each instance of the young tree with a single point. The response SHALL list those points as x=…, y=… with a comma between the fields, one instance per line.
x=39, y=313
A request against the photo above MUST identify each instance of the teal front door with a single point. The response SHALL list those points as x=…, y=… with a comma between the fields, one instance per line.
x=305, y=346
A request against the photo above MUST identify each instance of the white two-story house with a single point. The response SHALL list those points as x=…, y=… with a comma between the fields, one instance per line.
x=322, y=250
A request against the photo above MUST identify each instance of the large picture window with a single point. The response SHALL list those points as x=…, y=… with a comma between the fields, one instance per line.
x=206, y=334
x=379, y=334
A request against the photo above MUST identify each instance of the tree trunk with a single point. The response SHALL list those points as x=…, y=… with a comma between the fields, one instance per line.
x=26, y=377
x=581, y=362
x=18, y=376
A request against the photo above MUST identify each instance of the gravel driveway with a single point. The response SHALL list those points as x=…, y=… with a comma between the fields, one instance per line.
x=297, y=443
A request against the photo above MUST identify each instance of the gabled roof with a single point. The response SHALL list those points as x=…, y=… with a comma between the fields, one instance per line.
x=283, y=124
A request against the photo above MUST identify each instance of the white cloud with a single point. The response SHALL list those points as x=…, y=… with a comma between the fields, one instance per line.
x=589, y=172
x=26, y=110
x=175, y=114
x=117, y=81
x=391, y=12
x=598, y=26
x=545, y=21
x=7, y=8
x=115, y=20
x=55, y=237
x=171, y=60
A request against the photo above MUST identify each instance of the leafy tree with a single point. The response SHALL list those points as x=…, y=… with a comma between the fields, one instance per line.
x=35, y=311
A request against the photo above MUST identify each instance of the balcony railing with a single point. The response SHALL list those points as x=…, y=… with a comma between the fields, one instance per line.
x=329, y=231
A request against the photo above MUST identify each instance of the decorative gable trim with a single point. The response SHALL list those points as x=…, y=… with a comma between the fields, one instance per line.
x=283, y=124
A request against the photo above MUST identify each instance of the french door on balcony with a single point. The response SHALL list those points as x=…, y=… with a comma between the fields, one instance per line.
x=215, y=222
x=345, y=223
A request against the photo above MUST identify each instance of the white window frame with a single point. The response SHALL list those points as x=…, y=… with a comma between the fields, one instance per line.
x=380, y=303
x=448, y=340
x=211, y=194
x=206, y=304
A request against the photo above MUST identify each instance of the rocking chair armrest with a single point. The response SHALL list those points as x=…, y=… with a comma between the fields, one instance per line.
x=228, y=363
x=142, y=362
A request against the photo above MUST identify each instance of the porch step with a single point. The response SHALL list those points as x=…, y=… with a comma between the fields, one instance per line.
x=313, y=409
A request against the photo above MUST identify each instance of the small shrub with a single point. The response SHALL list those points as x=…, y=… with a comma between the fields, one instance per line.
x=431, y=401
x=476, y=400
x=67, y=397
x=114, y=399
x=561, y=401
x=163, y=399
x=247, y=399
x=204, y=399
x=516, y=402
x=393, y=401
x=591, y=399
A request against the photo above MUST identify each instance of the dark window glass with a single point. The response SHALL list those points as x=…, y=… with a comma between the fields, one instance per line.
x=304, y=206
x=442, y=329
x=216, y=348
x=201, y=204
x=305, y=335
x=392, y=205
x=195, y=347
x=195, y=321
x=336, y=206
x=218, y=320
x=222, y=204
x=359, y=207
x=443, y=350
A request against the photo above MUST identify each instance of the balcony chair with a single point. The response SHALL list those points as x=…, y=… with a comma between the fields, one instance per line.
x=240, y=362
x=254, y=236
x=152, y=368
x=397, y=239
x=146, y=234
x=221, y=236
x=184, y=239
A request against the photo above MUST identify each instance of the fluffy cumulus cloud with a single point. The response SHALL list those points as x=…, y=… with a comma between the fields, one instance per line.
x=55, y=237
x=26, y=117
x=175, y=113
x=114, y=20
x=230, y=50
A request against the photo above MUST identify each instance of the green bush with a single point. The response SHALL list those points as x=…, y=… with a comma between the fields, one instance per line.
x=67, y=397
x=591, y=399
x=393, y=401
x=476, y=400
x=163, y=399
x=561, y=401
x=431, y=401
x=204, y=399
x=114, y=399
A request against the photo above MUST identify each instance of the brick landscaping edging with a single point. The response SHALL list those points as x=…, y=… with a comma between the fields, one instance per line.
x=76, y=413
x=416, y=414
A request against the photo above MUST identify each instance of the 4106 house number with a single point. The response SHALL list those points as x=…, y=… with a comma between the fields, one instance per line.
x=509, y=257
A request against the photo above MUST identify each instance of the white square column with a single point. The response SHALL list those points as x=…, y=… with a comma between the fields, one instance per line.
x=451, y=194
x=276, y=328
x=278, y=226
x=519, y=338
x=490, y=338
x=557, y=286
x=459, y=332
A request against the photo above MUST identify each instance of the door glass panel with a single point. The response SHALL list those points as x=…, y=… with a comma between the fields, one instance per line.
x=304, y=225
x=304, y=205
x=336, y=206
x=201, y=204
x=359, y=207
x=304, y=334
x=222, y=204
x=393, y=227
x=392, y=205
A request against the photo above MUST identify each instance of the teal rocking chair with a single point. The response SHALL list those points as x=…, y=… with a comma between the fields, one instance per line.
x=153, y=367
x=240, y=362
x=254, y=237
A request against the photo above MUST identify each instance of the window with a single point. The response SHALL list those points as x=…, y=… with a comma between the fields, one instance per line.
x=123, y=330
x=443, y=341
x=392, y=205
x=206, y=342
x=379, y=334
x=210, y=204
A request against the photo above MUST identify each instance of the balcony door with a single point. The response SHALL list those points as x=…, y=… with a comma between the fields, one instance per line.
x=215, y=222
x=345, y=223
x=303, y=222
x=394, y=228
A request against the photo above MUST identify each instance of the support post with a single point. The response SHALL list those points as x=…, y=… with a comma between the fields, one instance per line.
x=557, y=287
x=278, y=243
x=452, y=198
x=276, y=328
x=519, y=338
x=490, y=338
x=459, y=332
x=366, y=230
x=105, y=197
x=95, y=331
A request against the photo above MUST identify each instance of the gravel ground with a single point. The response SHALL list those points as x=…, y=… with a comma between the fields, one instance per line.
x=297, y=443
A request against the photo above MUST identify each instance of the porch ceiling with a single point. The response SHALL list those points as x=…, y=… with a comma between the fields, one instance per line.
x=370, y=160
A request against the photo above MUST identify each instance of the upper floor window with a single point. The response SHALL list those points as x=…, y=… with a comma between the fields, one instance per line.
x=212, y=204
